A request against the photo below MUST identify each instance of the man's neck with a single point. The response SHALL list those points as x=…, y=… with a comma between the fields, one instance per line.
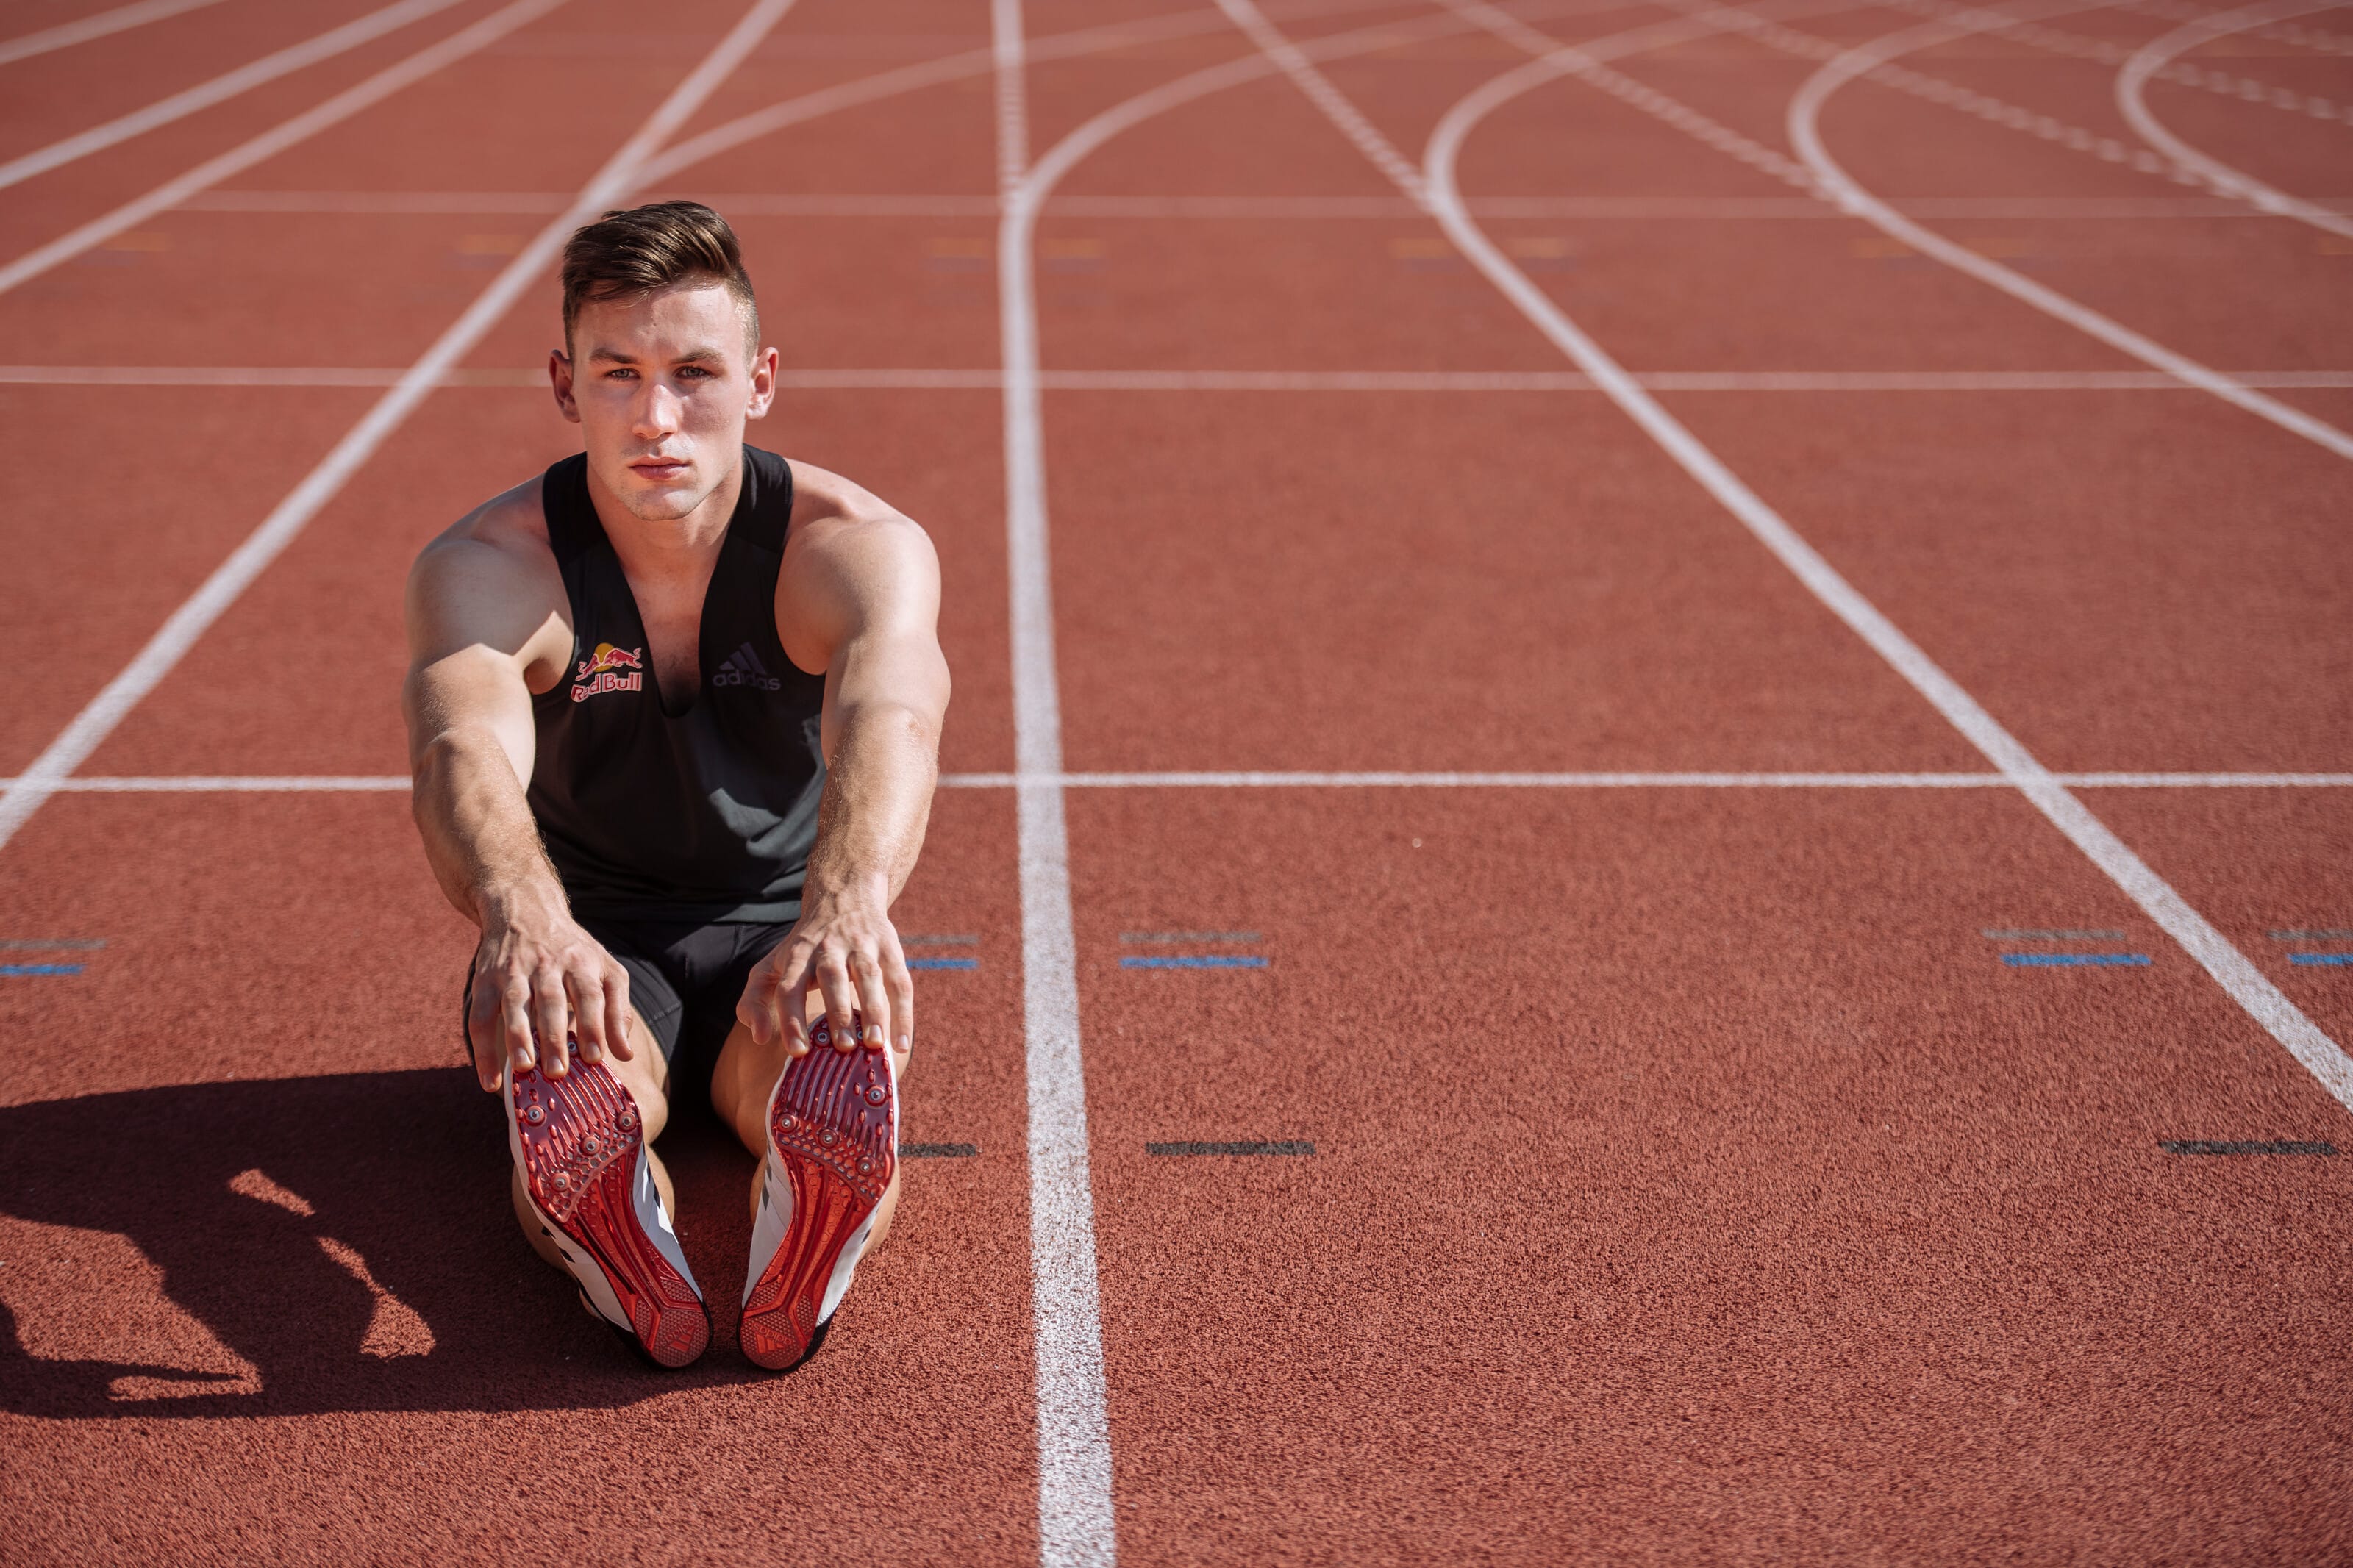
x=673, y=548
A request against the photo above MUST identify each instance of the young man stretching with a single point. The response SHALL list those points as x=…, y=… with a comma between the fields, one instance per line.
x=673, y=713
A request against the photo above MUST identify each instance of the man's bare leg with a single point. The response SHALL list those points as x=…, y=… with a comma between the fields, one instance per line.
x=645, y=1075
x=741, y=1083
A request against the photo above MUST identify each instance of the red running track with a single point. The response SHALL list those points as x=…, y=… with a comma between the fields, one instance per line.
x=1693, y=1177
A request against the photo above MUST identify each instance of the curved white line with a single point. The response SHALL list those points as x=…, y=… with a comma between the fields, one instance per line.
x=2159, y=52
x=1804, y=135
x=2213, y=951
x=66, y=33
x=219, y=89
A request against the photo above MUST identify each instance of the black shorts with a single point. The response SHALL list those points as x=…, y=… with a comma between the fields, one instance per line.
x=685, y=982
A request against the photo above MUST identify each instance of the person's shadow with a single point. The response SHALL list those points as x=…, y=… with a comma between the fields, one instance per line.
x=346, y=1239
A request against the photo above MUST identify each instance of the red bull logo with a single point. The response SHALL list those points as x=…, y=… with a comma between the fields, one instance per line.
x=610, y=668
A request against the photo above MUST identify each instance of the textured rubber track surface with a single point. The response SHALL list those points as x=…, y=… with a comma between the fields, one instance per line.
x=832, y=1126
x=581, y=1145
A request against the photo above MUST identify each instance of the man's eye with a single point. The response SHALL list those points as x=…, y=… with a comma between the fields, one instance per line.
x=694, y=371
x=620, y=374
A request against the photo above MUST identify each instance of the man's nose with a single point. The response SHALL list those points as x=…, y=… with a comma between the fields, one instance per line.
x=657, y=411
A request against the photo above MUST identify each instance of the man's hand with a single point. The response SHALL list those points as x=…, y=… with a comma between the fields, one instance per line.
x=844, y=945
x=539, y=982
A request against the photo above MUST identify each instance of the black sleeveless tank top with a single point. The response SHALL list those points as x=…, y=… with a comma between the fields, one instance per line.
x=705, y=815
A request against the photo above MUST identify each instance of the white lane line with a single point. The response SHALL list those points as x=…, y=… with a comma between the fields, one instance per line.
x=502, y=204
x=1451, y=381
x=220, y=90
x=64, y=35
x=278, y=139
x=2245, y=983
x=2160, y=52
x=1076, y=1528
x=266, y=783
x=1805, y=134
x=233, y=576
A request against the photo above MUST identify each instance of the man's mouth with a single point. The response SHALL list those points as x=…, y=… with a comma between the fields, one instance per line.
x=659, y=468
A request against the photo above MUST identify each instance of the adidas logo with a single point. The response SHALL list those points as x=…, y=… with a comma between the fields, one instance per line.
x=742, y=667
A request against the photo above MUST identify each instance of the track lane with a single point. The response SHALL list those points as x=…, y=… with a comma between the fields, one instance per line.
x=1690, y=1178
x=1426, y=606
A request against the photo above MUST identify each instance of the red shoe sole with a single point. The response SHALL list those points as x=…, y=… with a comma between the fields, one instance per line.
x=581, y=1138
x=832, y=1122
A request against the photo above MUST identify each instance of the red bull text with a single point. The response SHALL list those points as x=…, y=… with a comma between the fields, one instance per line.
x=610, y=668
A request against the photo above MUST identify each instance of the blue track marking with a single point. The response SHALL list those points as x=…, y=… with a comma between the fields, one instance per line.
x=944, y=963
x=2074, y=959
x=1195, y=961
x=40, y=969
x=938, y=1151
x=2336, y=959
x=2262, y=1146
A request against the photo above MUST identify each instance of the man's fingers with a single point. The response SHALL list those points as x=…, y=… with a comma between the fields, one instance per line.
x=484, y=1039
x=796, y=1023
x=874, y=993
x=840, y=995
x=551, y=1012
x=586, y=996
x=901, y=987
x=514, y=1024
x=617, y=1014
x=757, y=1009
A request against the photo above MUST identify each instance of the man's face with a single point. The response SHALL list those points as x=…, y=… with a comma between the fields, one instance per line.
x=660, y=386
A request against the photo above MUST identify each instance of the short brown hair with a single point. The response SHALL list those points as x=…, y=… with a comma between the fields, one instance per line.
x=646, y=250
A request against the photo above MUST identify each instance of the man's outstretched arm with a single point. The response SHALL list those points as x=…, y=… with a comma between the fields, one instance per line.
x=479, y=616
x=858, y=597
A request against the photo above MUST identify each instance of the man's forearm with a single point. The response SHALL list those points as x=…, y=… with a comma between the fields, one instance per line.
x=877, y=803
x=477, y=828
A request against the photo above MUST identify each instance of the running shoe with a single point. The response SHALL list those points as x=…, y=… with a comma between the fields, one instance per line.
x=582, y=1153
x=833, y=1141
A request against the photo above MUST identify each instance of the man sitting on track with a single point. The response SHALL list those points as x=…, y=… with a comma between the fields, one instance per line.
x=674, y=710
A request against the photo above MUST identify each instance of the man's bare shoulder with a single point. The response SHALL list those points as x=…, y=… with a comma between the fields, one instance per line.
x=852, y=563
x=489, y=577
x=513, y=523
x=848, y=525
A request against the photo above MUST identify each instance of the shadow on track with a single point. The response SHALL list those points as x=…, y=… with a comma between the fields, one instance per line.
x=405, y=1286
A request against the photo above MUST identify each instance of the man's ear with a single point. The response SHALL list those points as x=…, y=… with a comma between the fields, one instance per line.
x=763, y=385
x=559, y=377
